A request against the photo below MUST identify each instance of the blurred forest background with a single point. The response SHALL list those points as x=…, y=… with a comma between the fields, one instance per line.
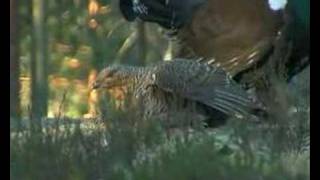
x=57, y=48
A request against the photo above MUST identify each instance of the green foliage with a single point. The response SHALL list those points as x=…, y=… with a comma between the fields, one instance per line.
x=122, y=145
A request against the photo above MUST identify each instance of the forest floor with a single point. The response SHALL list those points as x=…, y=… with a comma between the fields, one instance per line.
x=126, y=147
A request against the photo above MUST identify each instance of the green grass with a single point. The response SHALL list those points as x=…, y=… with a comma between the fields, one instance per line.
x=130, y=150
x=129, y=147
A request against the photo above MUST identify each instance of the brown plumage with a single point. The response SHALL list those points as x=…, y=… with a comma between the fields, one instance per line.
x=241, y=36
x=235, y=34
x=232, y=34
x=180, y=86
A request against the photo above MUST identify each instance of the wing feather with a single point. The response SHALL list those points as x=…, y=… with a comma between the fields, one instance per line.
x=203, y=83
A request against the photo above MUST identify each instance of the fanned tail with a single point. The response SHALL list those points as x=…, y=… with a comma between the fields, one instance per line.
x=234, y=102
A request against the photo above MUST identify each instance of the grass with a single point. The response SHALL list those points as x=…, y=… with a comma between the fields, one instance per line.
x=129, y=147
x=144, y=152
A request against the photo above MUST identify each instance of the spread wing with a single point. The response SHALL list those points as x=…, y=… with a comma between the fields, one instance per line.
x=202, y=83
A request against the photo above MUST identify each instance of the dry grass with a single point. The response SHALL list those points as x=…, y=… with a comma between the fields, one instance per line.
x=131, y=147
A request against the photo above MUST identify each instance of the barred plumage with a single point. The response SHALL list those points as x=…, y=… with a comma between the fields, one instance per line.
x=180, y=86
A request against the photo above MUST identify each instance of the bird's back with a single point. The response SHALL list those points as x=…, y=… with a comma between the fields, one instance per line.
x=202, y=83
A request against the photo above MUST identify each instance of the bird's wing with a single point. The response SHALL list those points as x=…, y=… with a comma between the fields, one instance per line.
x=202, y=83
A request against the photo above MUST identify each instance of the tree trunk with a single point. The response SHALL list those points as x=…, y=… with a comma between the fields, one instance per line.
x=14, y=60
x=39, y=74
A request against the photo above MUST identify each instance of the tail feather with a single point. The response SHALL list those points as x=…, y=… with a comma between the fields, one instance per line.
x=231, y=106
x=221, y=108
x=233, y=95
x=233, y=102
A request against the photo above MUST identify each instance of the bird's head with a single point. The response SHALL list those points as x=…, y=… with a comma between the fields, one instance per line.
x=170, y=14
x=113, y=76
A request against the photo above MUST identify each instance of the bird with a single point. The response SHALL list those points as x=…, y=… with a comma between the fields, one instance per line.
x=181, y=86
x=240, y=36
x=170, y=14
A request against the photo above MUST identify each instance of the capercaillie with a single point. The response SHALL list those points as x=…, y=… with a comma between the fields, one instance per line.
x=181, y=86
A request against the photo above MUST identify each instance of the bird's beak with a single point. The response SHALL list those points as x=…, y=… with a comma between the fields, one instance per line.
x=95, y=85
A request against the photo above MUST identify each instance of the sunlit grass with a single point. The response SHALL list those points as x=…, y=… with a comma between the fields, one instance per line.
x=122, y=145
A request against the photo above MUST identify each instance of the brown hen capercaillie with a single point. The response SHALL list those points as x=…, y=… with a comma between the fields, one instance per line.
x=181, y=86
